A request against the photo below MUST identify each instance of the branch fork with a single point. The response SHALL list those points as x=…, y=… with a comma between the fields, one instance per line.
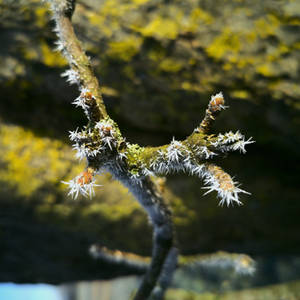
x=103, y=146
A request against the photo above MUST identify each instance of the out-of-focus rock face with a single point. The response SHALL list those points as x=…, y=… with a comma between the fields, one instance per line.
x=164, y=55
x=158, y=63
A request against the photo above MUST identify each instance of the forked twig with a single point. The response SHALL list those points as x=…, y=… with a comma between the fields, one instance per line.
x=104, y=147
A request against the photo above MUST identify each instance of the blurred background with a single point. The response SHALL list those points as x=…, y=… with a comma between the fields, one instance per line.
x=158, y=62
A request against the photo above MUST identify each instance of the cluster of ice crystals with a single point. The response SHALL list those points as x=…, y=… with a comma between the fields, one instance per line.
x=147, y=172
x=81, y=151
x=226, y=191
x=197, y=170
x=84, y=146
x=177, y=157
x=122, y=155
x=59, y=46
x=76, y=187
x=204, y=151
x=240, y=145
x=230, y=137
x=76, y=136
x=175, y=151
x=136, y=177
x=72, y=76
x=218, y=100
x=231, y=142
x=105, y=128
x=159, y=166
x=107, y=133
x=188, y=163
x=80, y=101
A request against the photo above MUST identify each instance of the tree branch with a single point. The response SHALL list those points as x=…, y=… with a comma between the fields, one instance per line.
x=241, y=263
x=103, y=146
x=215, y=106
x=149, y=197
x=81, y=70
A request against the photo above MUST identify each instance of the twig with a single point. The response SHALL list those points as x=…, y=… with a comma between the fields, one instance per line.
x=103, y=146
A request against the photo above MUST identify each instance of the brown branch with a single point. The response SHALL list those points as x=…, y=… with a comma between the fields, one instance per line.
x=242, y=263
x=104, y=133
x=200, y=138
x=215, y=105
x=104, y=147
x=72, y=50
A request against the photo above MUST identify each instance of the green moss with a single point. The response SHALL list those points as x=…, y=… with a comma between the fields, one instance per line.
x=265, y=69
x=170, y=65
x=31, y=161
x=242, y=94
x=266, y=25
x=51, y=58
x=125, y=49
x=134, y=152
x=227, y=42
x=199, y=14
x=159, y=27
x=42, y=15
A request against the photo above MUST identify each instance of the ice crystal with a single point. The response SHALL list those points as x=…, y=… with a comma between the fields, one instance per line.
x=75, y=135
x=77, y=186
x=197, y=170
x=59, y=46
x=218, y=101
x=72, y=76
x=206, y=152
x=105, y=128
x=174, y=151
x=81, y=151
x=227, y=190
x=122, y=155
x=240, y=145
x=80, y=102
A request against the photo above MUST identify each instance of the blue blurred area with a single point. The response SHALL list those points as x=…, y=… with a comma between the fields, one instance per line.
x=115, y=289
x=12, y=291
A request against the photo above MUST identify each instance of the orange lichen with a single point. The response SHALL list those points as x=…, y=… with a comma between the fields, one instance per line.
x=217, y=102
x=85, y=177
x=224, y=179
x=88, y=95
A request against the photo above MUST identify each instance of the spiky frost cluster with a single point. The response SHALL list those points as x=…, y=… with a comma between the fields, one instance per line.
x=107, y=133
x=84, y=100
x=214, y=179
x=232, y=142
x=175, y=151
x=82, y=184
x=170, y=160
x=217, y=101
x=61, y=47
x=217, y=180
x=203, y=152
x=77, y=136
x=90, y=143
x=179, y=157
x=85, y=144
x=71, y=75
